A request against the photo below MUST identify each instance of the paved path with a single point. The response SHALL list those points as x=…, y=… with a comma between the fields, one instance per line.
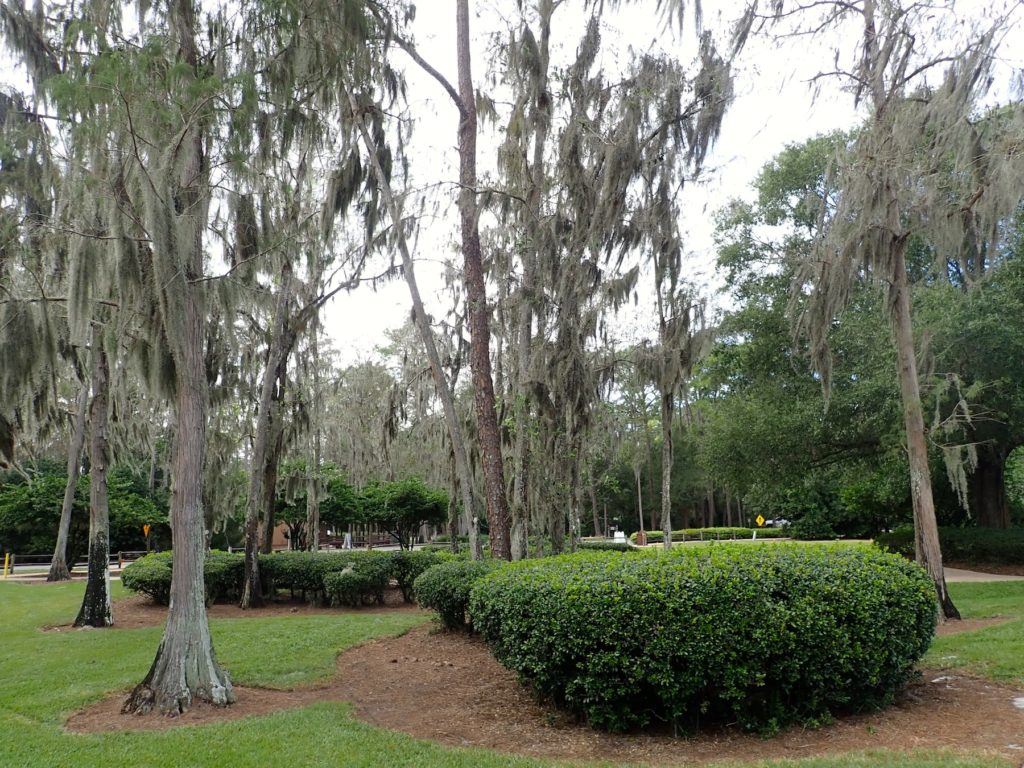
x=958, y=574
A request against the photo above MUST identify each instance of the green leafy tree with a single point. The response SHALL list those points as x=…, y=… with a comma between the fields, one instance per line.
x=401, y=507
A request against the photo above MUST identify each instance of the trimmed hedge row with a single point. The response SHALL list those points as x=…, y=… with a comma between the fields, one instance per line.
x=759, y=635
x=965, y=545
x=151, y=575
x=315, y=575
x=606, y=545
x=712, y=534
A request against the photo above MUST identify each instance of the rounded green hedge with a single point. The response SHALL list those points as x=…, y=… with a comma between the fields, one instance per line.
x=759, y=635
x=445, y=588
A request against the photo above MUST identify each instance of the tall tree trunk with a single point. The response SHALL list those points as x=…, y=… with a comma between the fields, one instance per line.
x=270, y=472
x=926, y=529
x=639, y=497
x=712, y=508
x=95, y=610
x=666, y=468
x=594, y=511
x=313, y=460
x=488, y=435
x=59, y=570
x=518, y=546
x=987, y=487
x=426, y=333
x=252, y=592
x=542, y=124
x=185, y=667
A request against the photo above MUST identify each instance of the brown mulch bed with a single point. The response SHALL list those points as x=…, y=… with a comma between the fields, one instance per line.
x=447, y=687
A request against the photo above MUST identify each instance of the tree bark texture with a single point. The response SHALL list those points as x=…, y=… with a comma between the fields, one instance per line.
x=987, y=487
x=488, y=436
x=59, y=570
x=929, y=554
x=313, y=460
x=185, y=668
x=666, y=468
x=95, y=610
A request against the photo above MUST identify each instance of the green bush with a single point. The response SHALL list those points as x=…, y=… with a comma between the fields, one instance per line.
x=759, y=635
x=151, y=575
x=406, y=565
x=305, y=572
x=445, y=588
x=773, y=533
x=712, y=534
x=224, y=574
x=606, y=545
x=362, y=580
x=813, y=528
x=980, y=546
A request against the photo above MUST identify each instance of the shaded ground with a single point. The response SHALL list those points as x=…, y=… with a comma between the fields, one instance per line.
x=448, y=688
x=137, y=611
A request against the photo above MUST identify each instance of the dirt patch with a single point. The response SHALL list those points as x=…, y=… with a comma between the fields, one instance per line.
x=105, y=716
x=1001, y=570
x=448, y=688
x=968, y=625
x=138, y=611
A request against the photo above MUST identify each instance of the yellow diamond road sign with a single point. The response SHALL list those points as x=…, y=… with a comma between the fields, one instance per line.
x=759, y=520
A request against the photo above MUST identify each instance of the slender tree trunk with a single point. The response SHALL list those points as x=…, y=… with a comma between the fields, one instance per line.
x=639, y=497
x=926, y=528
x=59, y=570
x=95, y=610
x=426, y=334
x=185, y=667
x=270, y=472
x=313, y=462
x=453, y=504
x=542, y=123
x=520, y=510
x=252, y=592
x=987, y=487
x=488, y=435
x=666, y=467
x=594, y=511
x=712, y=508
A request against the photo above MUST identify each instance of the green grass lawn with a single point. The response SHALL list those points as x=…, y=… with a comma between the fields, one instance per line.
x=45, y=676
x=996, y=651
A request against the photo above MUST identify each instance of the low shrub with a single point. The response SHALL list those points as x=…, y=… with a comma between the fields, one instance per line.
x=407, y=565
x=151, y=575
x=606, y=545
x=305, y=572
x=445, y=588
x=224, y=574
x=361, y=581
x=964, y=545
x=713, y=534
x=759, y=635
x=772, y=533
